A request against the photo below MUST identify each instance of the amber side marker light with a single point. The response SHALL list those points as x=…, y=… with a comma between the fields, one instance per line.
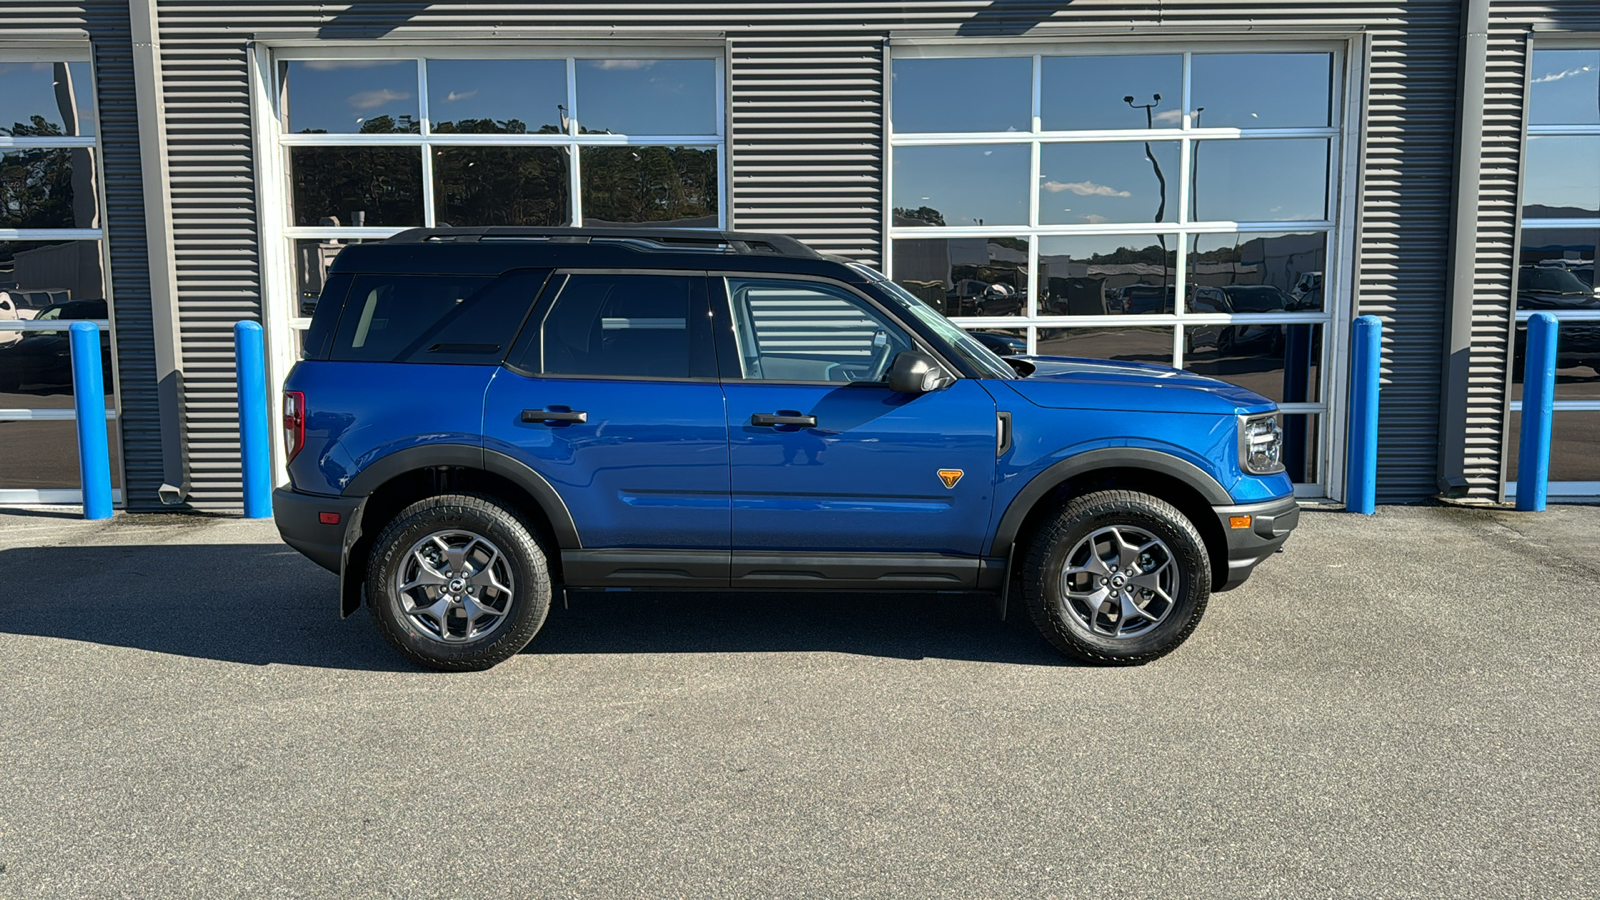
x=1238, y=521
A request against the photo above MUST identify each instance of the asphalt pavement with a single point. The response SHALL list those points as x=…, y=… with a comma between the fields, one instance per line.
x=1397, y=706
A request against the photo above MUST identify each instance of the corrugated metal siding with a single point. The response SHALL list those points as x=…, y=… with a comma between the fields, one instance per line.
x=216, y=246
x=807, y=141
x=107, y=25
x=806, y=146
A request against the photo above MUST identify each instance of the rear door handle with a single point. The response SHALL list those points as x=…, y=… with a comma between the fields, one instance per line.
x=775, y=419
x=554, y=415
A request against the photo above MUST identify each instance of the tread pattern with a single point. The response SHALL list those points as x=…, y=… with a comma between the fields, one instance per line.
x=1069, y=525
x=515, y=537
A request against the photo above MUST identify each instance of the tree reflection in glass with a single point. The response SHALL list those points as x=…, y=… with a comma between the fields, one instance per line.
x=501, y=186
x=661, y=185
x=356, y=186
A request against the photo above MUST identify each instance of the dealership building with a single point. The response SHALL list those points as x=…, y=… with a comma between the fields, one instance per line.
x=1220, y=186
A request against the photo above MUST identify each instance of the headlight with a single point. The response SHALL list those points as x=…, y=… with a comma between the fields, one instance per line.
x=1260, y=444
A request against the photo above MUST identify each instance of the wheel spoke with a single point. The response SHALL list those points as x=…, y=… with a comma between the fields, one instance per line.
x=1151, y=580
x=1130, y=611
x=475, y=609
x=1127, y=554
x=423, y=591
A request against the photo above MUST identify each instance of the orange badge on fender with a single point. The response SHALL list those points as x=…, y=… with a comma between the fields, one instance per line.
x=950, y=477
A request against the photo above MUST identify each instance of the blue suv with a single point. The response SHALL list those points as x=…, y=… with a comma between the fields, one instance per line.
x=484, y=417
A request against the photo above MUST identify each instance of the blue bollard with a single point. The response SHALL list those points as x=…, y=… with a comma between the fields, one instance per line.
x=1361, y=464
x=1538, y=394
x=89, y=406
x=255, y=454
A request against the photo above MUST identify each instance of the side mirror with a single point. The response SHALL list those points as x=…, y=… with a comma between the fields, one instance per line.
x=914, y=372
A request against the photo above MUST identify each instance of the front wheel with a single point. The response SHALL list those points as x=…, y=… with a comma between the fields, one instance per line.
x=1117, y=578
x=457, y=582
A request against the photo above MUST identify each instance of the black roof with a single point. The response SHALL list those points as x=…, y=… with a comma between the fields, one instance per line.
x=492, y=250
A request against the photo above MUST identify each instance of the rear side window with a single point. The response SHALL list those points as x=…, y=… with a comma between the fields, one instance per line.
x=636, y=326
x=456, y=319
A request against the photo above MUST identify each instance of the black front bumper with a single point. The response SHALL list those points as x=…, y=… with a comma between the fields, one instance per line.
x=298, y=517
x=1270, y=524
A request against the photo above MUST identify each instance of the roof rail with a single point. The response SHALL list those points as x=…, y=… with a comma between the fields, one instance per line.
x=742, y=243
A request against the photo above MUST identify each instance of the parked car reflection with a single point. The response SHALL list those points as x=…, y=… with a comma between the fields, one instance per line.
x=1233, y=299
x=1558, y=286
x=42, y=360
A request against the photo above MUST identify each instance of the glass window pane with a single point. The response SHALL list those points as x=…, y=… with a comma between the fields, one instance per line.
x=1556, y=270
x=1079, y=93
x=647, y=96
x=37, y=274
x=497, y=96
x=41, y=99
x=632, y=325
x=1577, y=360
x=673, y=186
x=1288, y=267
x=1114, y=274
x=1574, y=435
x=961, y=185
x=1301, y=447
x=48, y=188
x=1003, y=341
x=312, y=259
x=501, y=186
x=1561, y=177
x=1144, y=345
x=950, y=95
x=351, y=96
x=357, y=186
x=796, y=331
x=1114, y=182
x=387, y=318
x=1261, y=90
x=965, y=276
x=42, y=455
x=1260, y=180
x=1564, y=88
x=36, y=366
x=1279, y=362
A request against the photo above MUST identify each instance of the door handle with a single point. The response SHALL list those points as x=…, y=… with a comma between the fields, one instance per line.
x=775, y=419
x=554, y=415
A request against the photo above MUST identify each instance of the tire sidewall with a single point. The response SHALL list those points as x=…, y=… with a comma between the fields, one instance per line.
x=530, y=602
x=1194, y=580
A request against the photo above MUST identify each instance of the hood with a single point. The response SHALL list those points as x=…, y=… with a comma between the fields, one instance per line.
x=1060, y=382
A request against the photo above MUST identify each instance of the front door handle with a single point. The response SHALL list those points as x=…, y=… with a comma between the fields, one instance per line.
x=554, y=415
x=776, y=419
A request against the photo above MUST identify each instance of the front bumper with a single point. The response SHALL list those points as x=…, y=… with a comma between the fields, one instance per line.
x=1270, y=524
x=298, y=517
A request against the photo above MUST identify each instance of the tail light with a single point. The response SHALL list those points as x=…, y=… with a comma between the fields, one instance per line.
x=294, y=422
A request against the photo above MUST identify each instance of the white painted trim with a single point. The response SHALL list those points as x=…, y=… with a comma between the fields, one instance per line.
x=49, y=497
x=51, y=234
x=51, y=324
x=47, y=415
x=276, y=246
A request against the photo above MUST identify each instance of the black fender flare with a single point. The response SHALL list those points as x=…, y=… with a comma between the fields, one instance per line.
x=1104, y=458
x=429, y=456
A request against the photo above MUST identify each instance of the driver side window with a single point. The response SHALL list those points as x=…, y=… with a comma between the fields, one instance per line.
x=810, y=332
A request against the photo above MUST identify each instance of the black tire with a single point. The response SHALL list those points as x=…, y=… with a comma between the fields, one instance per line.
x=499, y=529
x=1068, y=622
x=1225, y=342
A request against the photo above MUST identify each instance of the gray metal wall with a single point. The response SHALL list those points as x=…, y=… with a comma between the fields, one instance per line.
x=105, y=24
x=807, y=153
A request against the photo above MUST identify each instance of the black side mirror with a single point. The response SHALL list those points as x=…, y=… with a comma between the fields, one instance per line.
x=914, y=372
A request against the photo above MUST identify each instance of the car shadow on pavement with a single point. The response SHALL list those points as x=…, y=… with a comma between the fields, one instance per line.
x=901, y=626
x=245, y=603
x=264, y=603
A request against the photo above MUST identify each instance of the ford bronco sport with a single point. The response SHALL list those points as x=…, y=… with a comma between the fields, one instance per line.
x=484, y=417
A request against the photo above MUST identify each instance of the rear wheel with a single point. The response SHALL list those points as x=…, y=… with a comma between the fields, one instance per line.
x=1117, y=578
x=458, y=583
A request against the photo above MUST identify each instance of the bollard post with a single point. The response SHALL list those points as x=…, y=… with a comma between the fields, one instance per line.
x=255, y=454
x=1538, y=395
x=89, y=407
x=1361, y=463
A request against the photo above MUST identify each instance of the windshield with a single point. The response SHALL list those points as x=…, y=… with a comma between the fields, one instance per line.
x=1551, y=279
x=1254, y=299
x=963, y=344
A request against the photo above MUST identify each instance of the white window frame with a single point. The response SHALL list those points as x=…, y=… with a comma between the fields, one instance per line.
x=1338, y=275
x=280, y=304
x=74, y=52
x=1572, y=491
